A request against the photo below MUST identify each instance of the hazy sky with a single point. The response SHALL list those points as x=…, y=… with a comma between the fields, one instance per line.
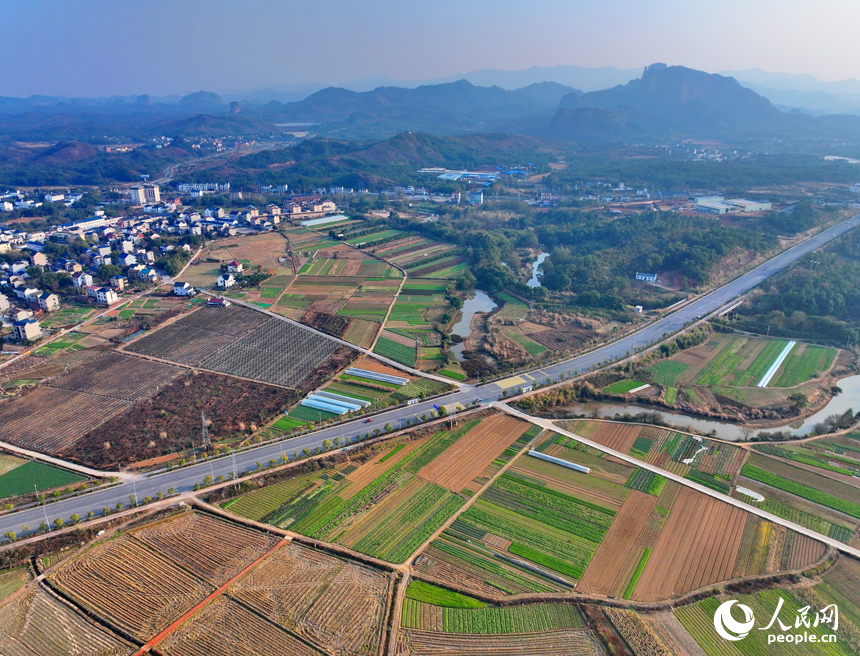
x=160, y=47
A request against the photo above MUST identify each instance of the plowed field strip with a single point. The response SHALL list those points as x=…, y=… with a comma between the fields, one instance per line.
x=473, y=452
x=370, y=470
x=616, y=437
x=615, y=549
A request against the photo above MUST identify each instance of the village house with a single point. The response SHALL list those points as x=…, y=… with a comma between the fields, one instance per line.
x=183, y=289
x=49, y=302
x=226, y=280
x=26, y=330
x=235, y=267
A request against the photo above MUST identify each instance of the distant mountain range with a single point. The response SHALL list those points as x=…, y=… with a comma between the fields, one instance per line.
x=663, y=102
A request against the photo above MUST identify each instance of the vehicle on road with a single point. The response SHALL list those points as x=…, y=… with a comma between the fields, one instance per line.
x=368, y=421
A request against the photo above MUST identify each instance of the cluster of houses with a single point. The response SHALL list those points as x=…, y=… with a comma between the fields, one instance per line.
x=22, y=200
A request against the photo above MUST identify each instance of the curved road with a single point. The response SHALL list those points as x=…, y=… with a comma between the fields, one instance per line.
x=183, y=480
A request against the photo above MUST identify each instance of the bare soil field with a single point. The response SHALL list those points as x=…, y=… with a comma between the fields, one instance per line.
x=225, y=628
x=118, y=376
x=130, y=586
x=697, y=546
x=469, y=455
x=213, y=549
x=35, y=623
x=616, y=436
x=609, y=569
x=26, y=423
x=337, y=606
x=415, y=642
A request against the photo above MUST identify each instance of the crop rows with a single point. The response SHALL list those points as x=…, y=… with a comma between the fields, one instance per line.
x=708, y=480
x=130, y=586
x=415, y=642
x=277, y=352
x=802, y=491
x=225, y=628
x=397, y=352
x=259, y=503
x=800, y=368
x=118, y=376
x=666, y=372
x=26, y=423
x=337, y=606
x=213, y=549
x=34, y=623
x=636, y=632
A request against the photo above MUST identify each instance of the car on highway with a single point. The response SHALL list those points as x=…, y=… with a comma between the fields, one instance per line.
x=368, y=421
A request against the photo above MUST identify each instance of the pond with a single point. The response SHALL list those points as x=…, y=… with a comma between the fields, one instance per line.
x=533, y=281
x=477, y=302
x=850, y=398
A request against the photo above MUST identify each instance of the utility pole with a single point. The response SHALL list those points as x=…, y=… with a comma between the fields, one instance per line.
x=134, y=487
x=205, y=441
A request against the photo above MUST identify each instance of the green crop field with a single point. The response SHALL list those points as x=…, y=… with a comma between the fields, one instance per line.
x=398, y=510
x=824, y=462
x=431, y=594
x=397, y=352
x=805, y=519
x=628, y=592
x=800, y=368
x=532, y=347
x=270, y=292
x=530, y=618
x=622, y=386
x=728, y=368
x=456, y=375
x=671, y=395
x=22, y=479
x=287, y=424
x=709, y=480
x=513, y=308
x=802, y=491
x=666, y=372
x=259, y=503
x=310, y=414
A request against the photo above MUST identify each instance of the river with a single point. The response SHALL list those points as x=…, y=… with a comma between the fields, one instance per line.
x=476, y=302
x=850, y=398
x=533, y=281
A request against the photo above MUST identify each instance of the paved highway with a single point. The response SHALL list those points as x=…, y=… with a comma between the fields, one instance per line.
x=184, y=479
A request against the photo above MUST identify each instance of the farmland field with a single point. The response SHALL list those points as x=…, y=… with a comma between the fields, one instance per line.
x=804, y=484
x=698, y=619
x=22, y=479
x=80, y=400
x=384, y=508
x=395, y=351
x=225, y=628
x=162, y=424
x=12, y=580
x=623, y=386
x=35, y=623
x=130, y=586
x=259, y=503
x=335, y=605
x=214, y=549
x=297, y=354
x=803, y=362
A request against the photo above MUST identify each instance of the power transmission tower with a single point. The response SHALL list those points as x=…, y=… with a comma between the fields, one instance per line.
x=204, y=431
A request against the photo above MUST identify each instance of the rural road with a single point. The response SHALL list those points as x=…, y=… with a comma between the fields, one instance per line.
x=183, y=480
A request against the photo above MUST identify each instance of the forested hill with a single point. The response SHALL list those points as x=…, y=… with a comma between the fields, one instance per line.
x=380, y=164
x=818, y=299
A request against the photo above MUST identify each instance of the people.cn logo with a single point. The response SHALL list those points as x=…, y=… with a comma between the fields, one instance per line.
x=727, y=626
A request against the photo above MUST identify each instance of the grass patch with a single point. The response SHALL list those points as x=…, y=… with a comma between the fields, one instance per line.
x=671, y=395
x=456, y=375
